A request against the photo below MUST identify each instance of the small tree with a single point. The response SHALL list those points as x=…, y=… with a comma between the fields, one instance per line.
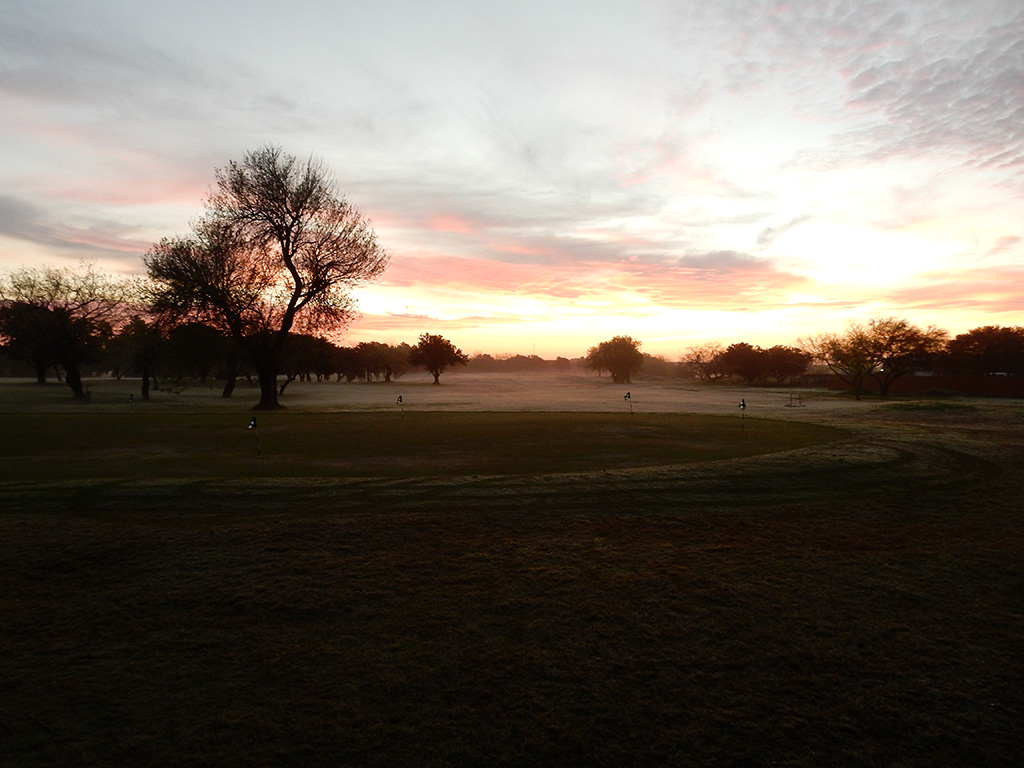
x=436, y=354
x=785, y=363
x=746, y=361
x=902, y=348
x=706, y=360
x=620, y=356
x=849, y=356
x=380, y=359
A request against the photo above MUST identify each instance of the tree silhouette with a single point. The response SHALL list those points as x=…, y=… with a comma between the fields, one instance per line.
x=305, y=357
x=746, y=361
x=848, y=355
x=987, y=350
x=783, y=363
x=620, y=356
x=885, y=349
x=706, y=360
x=30, y=334
x=436, y=354
x=137, y=348
x=380, y=359
x=199, y=351
x=61, y=316
x=902, y=348
x=278, y=249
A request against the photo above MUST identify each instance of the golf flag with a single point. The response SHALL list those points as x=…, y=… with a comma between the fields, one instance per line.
x=626, y=397
x=252, y=423
x=743, y=404
x=399, y=400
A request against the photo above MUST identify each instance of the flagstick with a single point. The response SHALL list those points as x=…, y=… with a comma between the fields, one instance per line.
x=255, y=426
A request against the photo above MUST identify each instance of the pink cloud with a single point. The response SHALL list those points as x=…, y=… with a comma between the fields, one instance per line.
x=102, y=240
x=470, y=274
x=452, y=223
x=993, y=290
x=708, y=281
x=711, y=282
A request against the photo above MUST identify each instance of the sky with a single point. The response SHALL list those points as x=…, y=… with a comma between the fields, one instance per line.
x=548, y=174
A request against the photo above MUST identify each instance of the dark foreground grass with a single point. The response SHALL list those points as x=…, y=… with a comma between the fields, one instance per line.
x=785, y=637
x=90, y=446
x=849, y=612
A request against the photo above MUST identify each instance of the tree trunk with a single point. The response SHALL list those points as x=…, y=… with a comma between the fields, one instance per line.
x=267, y=372
x=145, y=382
x=232, y=377
x=287, y=380
x=74, y=380
x=884, y=382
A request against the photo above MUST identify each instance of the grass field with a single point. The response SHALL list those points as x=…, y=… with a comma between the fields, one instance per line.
x=489, y=579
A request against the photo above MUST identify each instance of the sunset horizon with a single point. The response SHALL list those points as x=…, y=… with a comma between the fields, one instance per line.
x=550, y=177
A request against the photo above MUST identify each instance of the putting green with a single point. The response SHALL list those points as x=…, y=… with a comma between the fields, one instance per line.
x=90, y=446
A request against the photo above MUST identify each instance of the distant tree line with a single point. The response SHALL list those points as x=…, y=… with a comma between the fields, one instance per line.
x=882, y=350
x=508, y=363
x=752, y=364
x=78, y=322
x=193, y=352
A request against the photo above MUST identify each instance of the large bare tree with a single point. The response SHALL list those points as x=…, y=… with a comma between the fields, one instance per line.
x=278, y=249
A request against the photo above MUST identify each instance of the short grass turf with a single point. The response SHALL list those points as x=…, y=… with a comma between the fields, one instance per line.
x=77, y=446
x=860, y=606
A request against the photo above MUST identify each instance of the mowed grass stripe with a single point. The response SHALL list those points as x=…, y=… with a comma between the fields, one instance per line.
x=83, y=446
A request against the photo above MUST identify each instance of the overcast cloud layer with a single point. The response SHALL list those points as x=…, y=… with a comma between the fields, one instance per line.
x=547, y=175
